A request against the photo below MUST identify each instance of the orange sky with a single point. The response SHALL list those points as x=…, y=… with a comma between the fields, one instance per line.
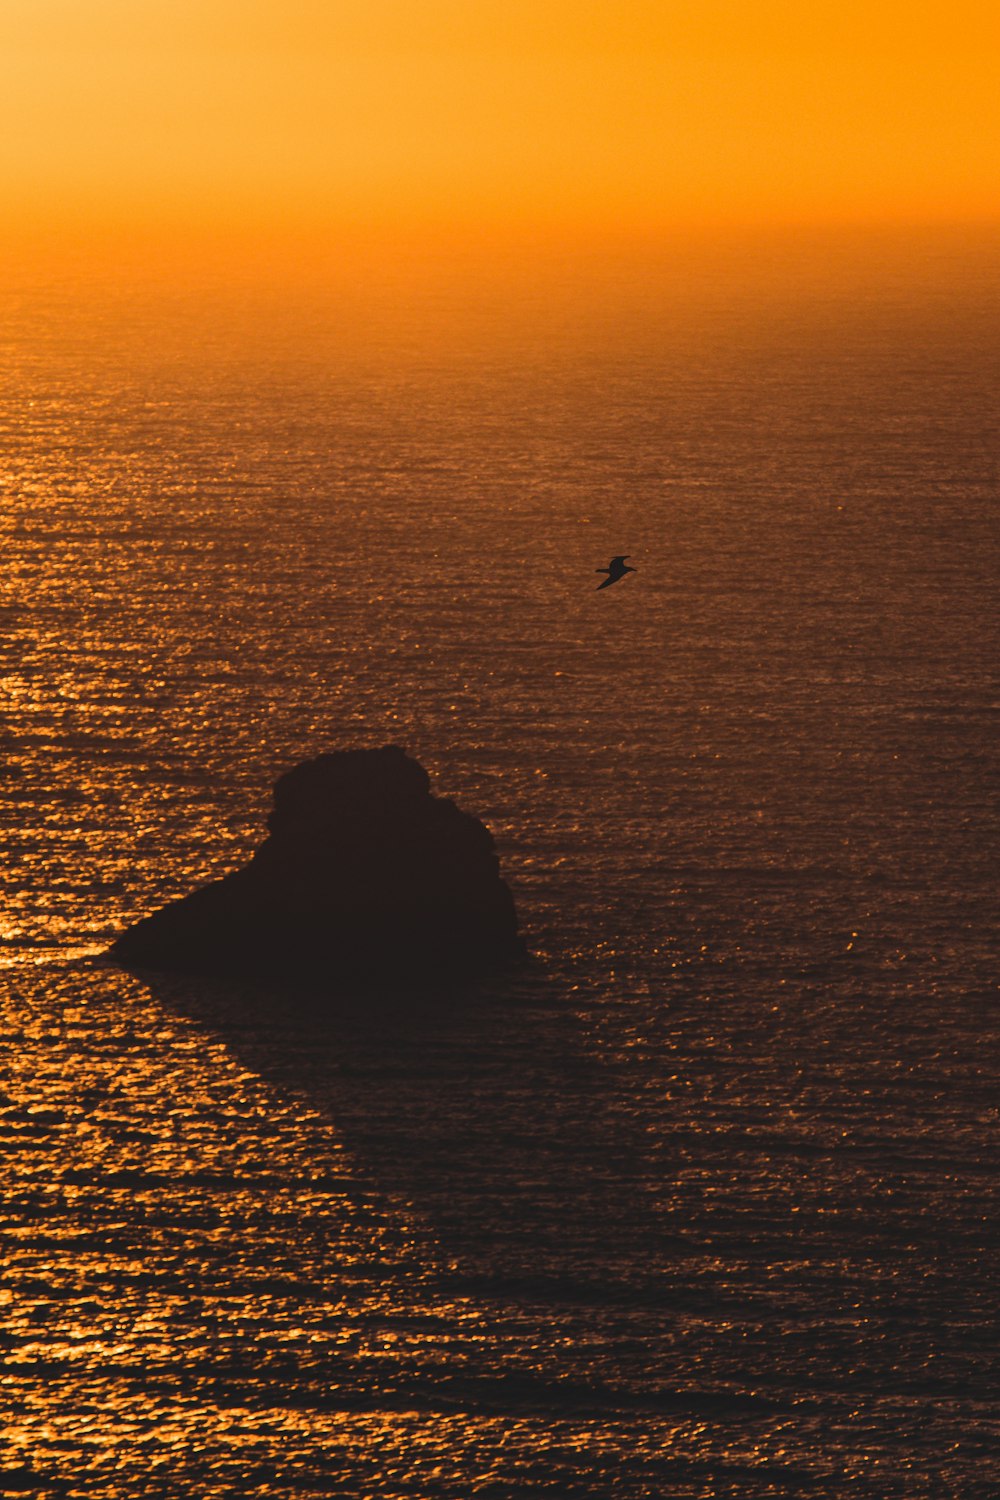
x=565, y=114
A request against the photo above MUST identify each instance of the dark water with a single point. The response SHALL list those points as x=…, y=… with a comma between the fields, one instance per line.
x=704, y=1205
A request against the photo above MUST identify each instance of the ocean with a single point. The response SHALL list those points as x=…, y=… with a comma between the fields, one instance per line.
x=703, y=1203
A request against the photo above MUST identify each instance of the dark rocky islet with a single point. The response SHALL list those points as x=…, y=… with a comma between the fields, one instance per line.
x=365, y=878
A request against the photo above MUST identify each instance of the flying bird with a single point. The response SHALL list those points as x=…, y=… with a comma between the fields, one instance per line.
x=616, y=569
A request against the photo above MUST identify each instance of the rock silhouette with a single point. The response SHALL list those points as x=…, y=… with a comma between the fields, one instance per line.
x=364, y=878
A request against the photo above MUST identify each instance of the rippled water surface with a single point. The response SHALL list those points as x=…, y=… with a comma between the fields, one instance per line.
x=704, y=1203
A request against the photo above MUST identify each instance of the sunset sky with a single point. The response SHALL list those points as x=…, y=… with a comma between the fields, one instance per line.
x=566, y=114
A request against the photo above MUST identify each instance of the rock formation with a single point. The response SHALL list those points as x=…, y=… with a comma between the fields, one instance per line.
x=364, y=878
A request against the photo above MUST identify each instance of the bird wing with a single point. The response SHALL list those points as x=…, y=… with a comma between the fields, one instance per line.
x=619, y=562
x=612, y=578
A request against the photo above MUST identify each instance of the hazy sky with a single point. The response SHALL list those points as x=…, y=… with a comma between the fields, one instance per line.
x=561, y=113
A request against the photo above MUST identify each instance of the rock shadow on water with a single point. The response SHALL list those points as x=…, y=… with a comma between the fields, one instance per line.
x=368, y=958
x=475, y=1108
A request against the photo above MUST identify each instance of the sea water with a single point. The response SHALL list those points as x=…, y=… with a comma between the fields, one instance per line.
x=702, y=1204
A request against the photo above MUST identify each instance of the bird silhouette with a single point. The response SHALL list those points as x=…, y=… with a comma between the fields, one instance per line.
x=615, y=570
